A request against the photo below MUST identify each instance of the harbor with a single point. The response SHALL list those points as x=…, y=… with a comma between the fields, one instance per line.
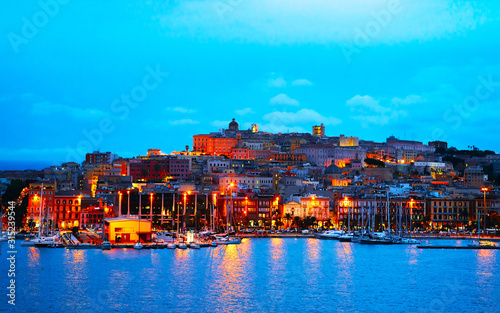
x=248, y=276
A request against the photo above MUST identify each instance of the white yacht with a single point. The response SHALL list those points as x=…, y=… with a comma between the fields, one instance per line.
x=138, y=246
x=329, y=234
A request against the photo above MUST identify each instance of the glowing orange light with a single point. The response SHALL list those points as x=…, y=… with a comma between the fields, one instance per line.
x=484, y=189
x=128, y=192
x=189, y=192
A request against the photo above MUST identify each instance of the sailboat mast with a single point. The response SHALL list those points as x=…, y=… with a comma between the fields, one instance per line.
x=40, y=218
x=140, y=203
x=388, y=213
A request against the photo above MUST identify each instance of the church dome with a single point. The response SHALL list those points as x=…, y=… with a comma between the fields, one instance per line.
x=333, y=169
x=233, y=125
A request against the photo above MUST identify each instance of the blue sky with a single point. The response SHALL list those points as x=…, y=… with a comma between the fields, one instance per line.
x=422, y=70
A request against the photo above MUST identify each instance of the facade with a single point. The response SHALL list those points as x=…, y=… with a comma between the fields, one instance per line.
x=474, y=176
x=41, y=203
x=445, y=212
x=403, y=213
x=439, y=144
x=245, y=182
x=409, y=145
x=348, y=141
x=97, y=157
x=129, y=230
x=249, y=211
x=158, y=169
x=249, y=154
x=309, y=206
x=319, y=130
x=213, y=144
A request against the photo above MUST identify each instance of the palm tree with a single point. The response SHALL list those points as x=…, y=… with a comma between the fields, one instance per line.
x=288, y=218
x=296, y=221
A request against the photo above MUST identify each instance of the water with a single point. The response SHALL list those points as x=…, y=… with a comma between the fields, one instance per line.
x=259, y=275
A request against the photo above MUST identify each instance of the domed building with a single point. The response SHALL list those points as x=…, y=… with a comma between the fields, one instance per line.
x=233, y=125
x=334, y=174
x=332, y=169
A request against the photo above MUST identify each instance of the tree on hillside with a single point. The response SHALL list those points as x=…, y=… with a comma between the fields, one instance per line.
x=374, y=163
x=12, y=194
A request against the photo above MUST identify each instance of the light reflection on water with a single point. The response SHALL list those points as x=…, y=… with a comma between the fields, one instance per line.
x=264, y=275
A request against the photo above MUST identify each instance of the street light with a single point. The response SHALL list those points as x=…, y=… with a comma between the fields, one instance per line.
x=346, y=203
x=128, y=202
x=151, y=207
x=484, y=190
x=120, y=203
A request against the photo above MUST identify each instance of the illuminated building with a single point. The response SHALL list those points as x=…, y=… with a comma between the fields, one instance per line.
x=249, y=154
x=348, y=141
x=289, y=158
x=310, y=205
x=318, y=130
x=127, y=230
x=246, y=182
x=156, y=169
x=474, y=176
x=67, y=210
x=256, y=210
x=36, y=201
x=412, y=211
x=213, y=144
x=97, y=157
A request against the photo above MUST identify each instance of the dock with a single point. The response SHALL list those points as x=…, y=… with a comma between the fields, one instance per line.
x=449, y=247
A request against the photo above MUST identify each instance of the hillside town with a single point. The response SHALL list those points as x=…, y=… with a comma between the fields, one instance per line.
x=252, y=180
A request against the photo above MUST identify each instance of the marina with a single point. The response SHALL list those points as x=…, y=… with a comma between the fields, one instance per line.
x=250, y=277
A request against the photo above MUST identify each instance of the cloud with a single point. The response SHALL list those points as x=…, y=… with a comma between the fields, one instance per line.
x=244, y=111
x=412, y=99
x=283, y=99
x=276, y=82
x=48, y=108
x=301, y=82
x=185, y=121
x=370, y=111
x=284, y=121
x=321, y=21
x=181, y=110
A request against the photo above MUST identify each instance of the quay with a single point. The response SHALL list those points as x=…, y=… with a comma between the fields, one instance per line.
x=450, y=247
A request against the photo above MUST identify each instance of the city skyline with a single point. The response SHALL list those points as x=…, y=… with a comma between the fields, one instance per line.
x=152, y=75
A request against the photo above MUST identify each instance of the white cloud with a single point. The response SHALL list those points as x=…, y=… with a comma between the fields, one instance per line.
x=48, y=108
x=370, y=111
x=284, y=121
x=185, y=121
x=411, y=99
x=301, y=82
x=276, y=82
x=181, y=110
x=320, y=21
x=244, y=111
x=283, y=99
